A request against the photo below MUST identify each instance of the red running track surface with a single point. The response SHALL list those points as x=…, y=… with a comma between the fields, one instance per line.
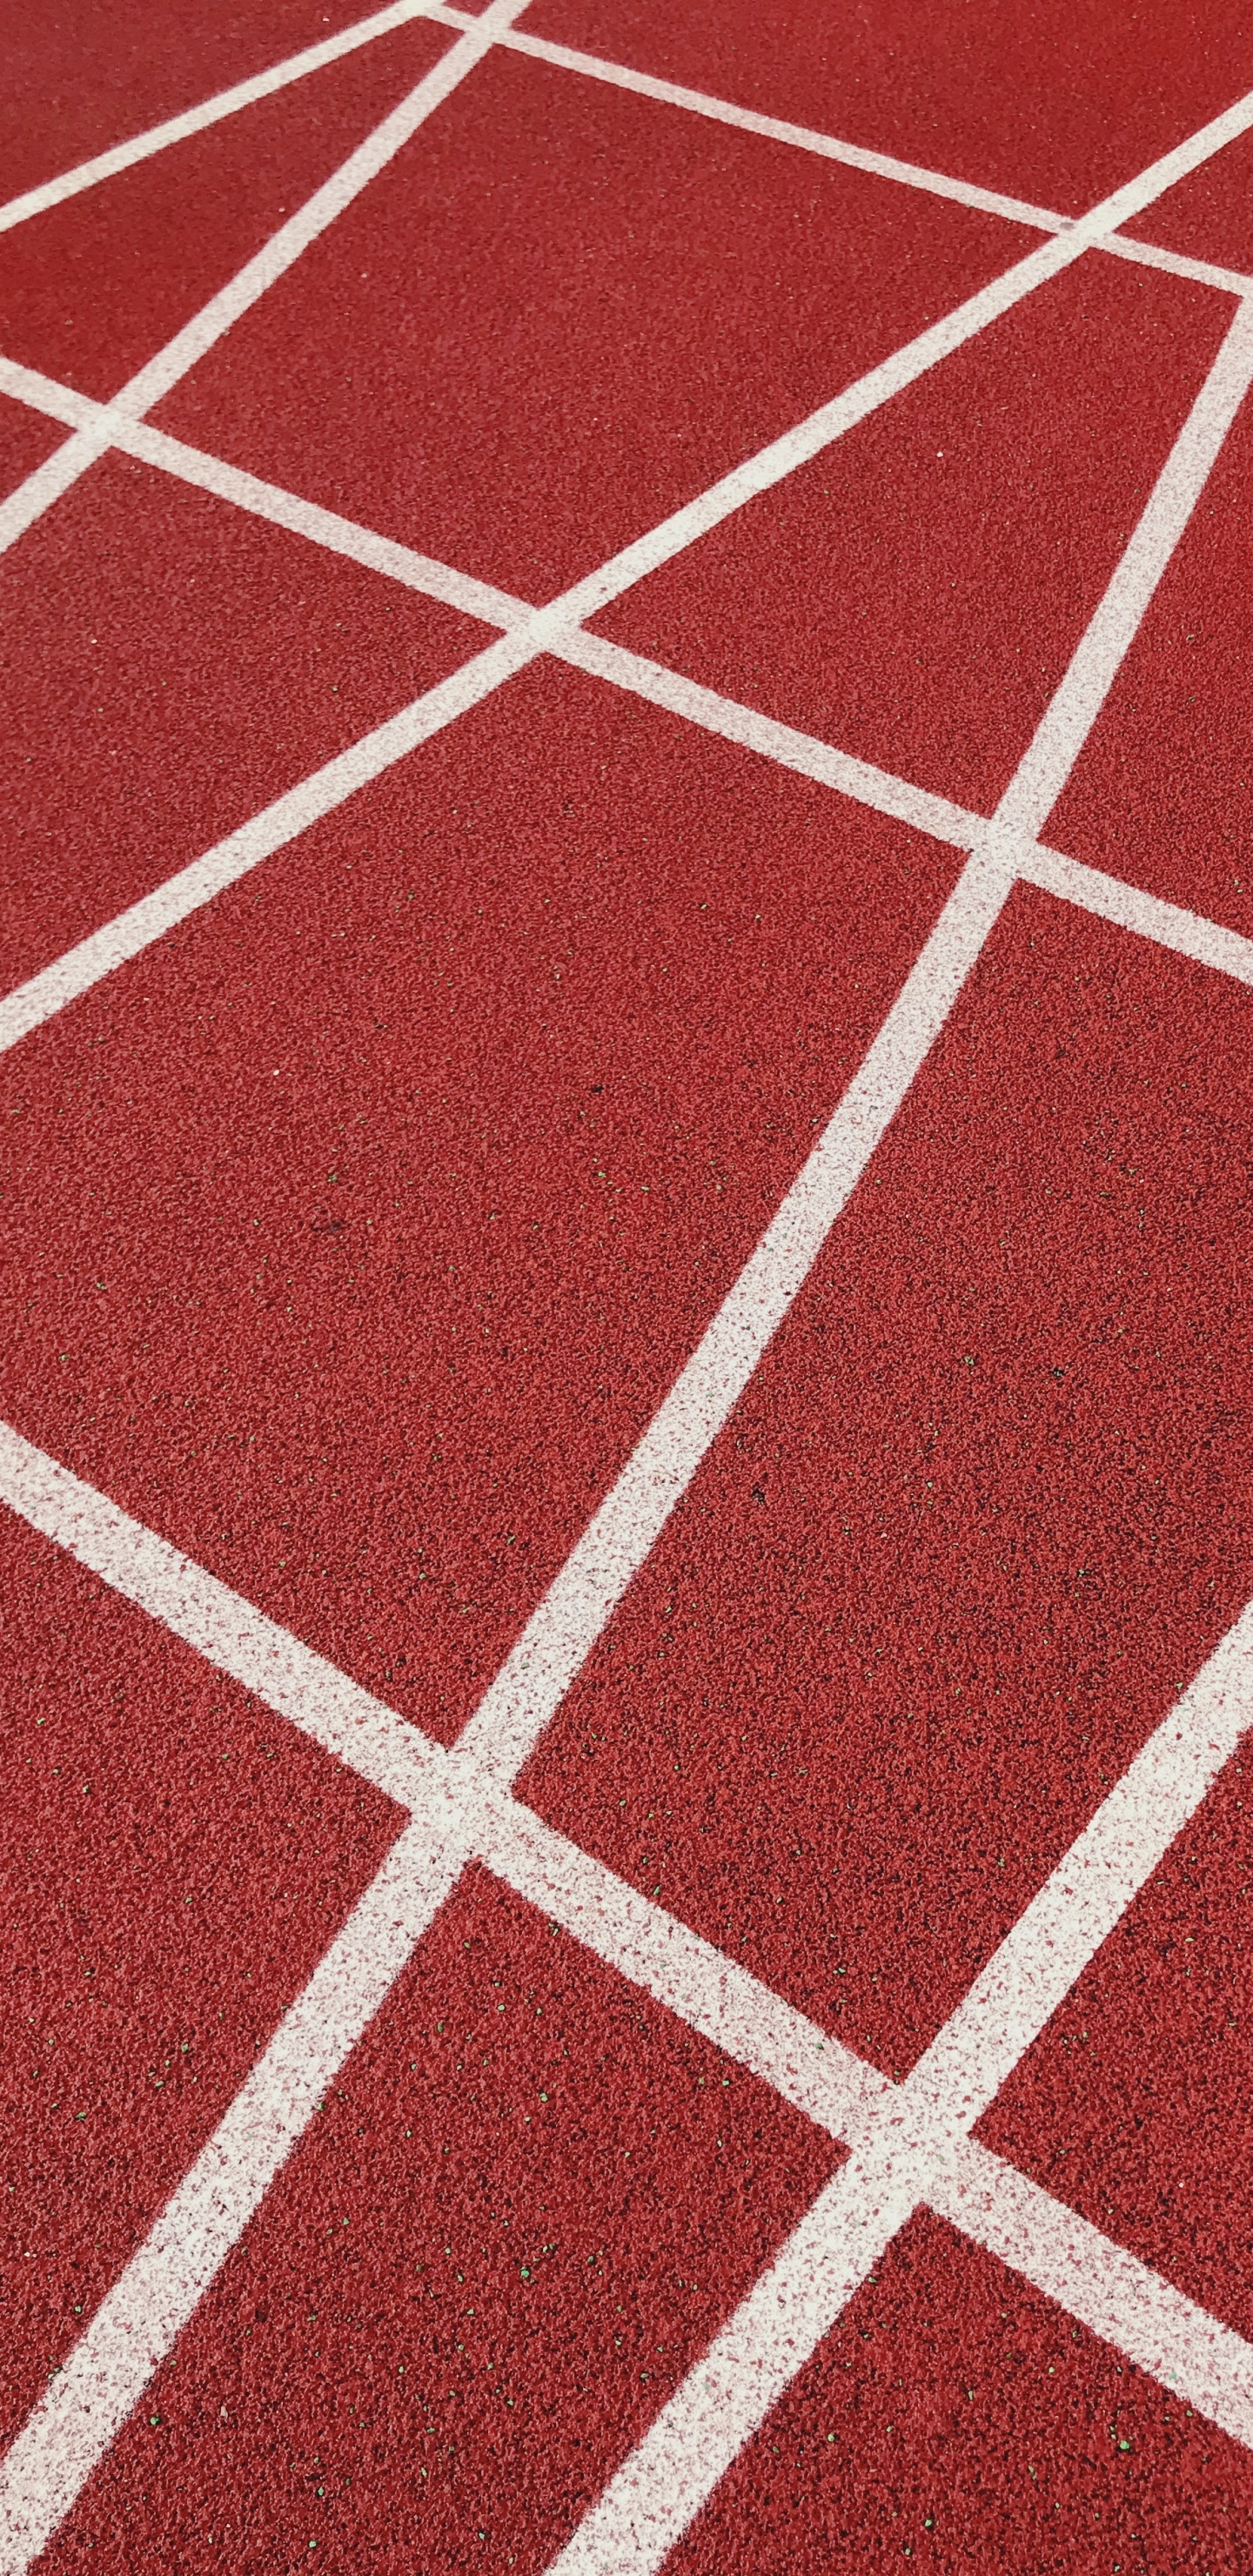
x=626, y=1414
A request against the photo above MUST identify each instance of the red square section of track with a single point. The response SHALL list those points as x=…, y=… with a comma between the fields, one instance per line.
x=375, y=1211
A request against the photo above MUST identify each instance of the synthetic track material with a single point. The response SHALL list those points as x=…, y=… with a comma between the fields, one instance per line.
x=612, y=1240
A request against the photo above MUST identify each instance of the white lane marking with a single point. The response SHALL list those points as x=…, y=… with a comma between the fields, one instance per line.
x=1204, y=2363
x=193, y=120
x=1148, y=915
x=906, y=2146
x=268, y=501
x=1202, y=272
x=270, y=263
x=773, y=129
x=137, y=2323
x=911, y=2147
x=45, y=484
x=1062, y=1928
x=1073, y=710
x=830, y=147
x=108, y=948
x=561, y=1633
x=859, y=779
x=689, y=2446
x=321, y=210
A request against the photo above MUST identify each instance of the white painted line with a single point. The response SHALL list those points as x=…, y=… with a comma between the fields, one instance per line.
x=1146, y=914
x=135, y=2327
x=1207, y=2366
x=909, y=2141
x=1073, y=710
x=1170, y=925
x=1229, y=281
x=193, y=120
x=277, y=255
x=29, y=1004
x=1037, y=1963
x=710, y=1992
x=347, y=1721
x=551, y=625
x=262, y=500
x=562, y=1631
x=647, y=2506
x=830, y=147
x=39, y=489
x=778, y=742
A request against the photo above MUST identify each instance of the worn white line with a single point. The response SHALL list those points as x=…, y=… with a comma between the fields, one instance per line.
x=1073, y=710
x=270, y=263
x=772, y=129
x=193, y=120
x=906, y=2147
x=261, y=500
x=137, y=2323
x=561, y=1632
x=1148, y=915
x=1106, y=2288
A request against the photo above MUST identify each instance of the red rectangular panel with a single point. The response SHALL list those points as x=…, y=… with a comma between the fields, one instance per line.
x=414, y=1168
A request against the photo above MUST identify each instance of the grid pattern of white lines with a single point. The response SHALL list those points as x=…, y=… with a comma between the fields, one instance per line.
x=910, y=2143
